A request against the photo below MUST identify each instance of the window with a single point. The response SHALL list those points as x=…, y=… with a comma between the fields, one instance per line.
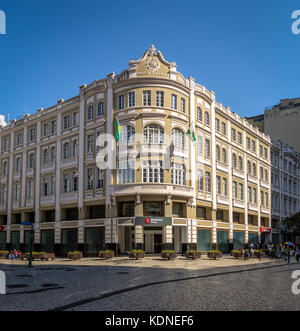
x=260, y=150
x=52, y=154
x=74, y=148
x=223, y=128
x=199, y=114
x=208, y=182
x=217, y=125
x=146, y=98
x=236, y=217
x=53, y=127
x=100, y=111
x=206, y=118
x=219, y=185
x=200, y=180
x=90, y=143
x=178, y=138
x=239, y=138
x=65, y=183
x=121, y=102
x=218, y=153
x=31, y=161
x=127, y=136
x=254, y=195
x=248, y=143
x=74, y=119
x=234, y=189
x=249, y=194
x=233, y=134
x=249, y=167
x=66, y=150
x=200, y=146
x=126, y=209
x=266, y=199
x=207, y=148
x=153, y=172
x=234, y=161
x=18, y=164
x=178, y=174
x=45, y=156
x=266, y=153
x=17, y=192
x=5, y=144
x=46, y=129
x=160, y=99
x=177, y=209
x=182, y=106
x=266, y=175
x=201, y=212
x=224, y=156
x=74, y=182
x=224, y=187
x=52, y=186
x=32, y=134
x=262, y=198
x=261, y=173
x=19, y=139
x=254, y=170
x=153, y=134
x=153, y=209
x=131, y=99
x=90, y=114
x=220, y=215
x=45, y=188
x=29, y=190
x=240, y=163
x=241, y=192
x=174, y=101
x=66, y=122
x=253, y=146
x=126, y=172
x=89, y=181
x=250, y=219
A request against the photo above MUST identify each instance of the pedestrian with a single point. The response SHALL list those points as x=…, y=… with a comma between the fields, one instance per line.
x=251, y=252
x=288, y=254
x=298, y=254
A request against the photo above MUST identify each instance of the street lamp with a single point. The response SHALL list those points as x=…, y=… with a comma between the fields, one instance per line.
x=30, y=243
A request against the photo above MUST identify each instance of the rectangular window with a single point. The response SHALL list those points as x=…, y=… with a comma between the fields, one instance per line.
x=219, y=185
x=53, y=127
x=174, y=102
x=225, y=187
x=201, y=212
x=266, y=153
x=240, y=138
x=241, y=192
x=253, y=146
x=207, y=148
x=200, y=180
x=131, y=99
x=220, y=215
x=234, y=189
x=177, y=209
x=32, y=134
x=224, y=129
x=147, y=98
x=65, y=183
x=121, y=102
x=90, y=143
x=89, y=182
x=233, y=134
x=217, y=125
x=159, y=99
x=153, y=209
x=19, y=139
x=236, y=217
x=248, y=143
x=208, y=182
x=182, y=108
x=66, y=122
x=260, y=150
x=75, y=119
x=46, y=129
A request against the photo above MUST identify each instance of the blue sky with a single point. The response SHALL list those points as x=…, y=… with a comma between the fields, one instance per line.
x=243, y=50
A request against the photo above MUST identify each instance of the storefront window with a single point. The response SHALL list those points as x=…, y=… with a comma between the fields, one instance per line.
x=253, y=238
x=69, y=240
x=126, y=209
x=15, y=240
x=47, y=241
x=223, y=241
x=153, y=209
x=2, y=241
x=204, y=240
x=177, y=209
x=238, y=240
x=94, y=240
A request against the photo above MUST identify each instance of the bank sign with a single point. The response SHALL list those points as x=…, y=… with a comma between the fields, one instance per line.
x=153, y=221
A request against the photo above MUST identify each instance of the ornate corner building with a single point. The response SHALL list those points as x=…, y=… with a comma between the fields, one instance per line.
x=215, y=192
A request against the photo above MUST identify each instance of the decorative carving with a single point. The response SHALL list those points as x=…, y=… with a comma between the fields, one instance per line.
x=138, y=200
x=153, y=64
x=168, y=202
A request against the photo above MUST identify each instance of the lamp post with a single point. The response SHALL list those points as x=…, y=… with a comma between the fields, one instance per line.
x=30, y=243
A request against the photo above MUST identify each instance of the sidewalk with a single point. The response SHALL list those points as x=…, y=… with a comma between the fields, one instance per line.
x=155, y=261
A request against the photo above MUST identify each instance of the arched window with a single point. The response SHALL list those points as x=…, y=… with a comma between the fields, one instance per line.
x=218, y=153
x=199, y=114
x=261, y=173
x=153, y=134
x=200, y=145
x=234, y=161
x=74, y=147
x=249, y=167
x=52, y=154
x=66, y=151
x=90, y=114
x=254, y=169
x=206, y=118
x=100, y=111
x=178, y=138
x=127, y=136
x=240, y=163
x=224, y=156
x=266, y=175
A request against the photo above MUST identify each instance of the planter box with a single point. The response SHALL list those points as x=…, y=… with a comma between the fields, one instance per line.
x=193, y=255
x=169, y=256
x=45, y=256
x=214, y=256
x=236, y=255
x=136, y=255
x=75, y=256
x=4, y=255
x=107, y=255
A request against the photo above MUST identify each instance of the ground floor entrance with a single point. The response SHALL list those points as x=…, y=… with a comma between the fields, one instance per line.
x=153, y=239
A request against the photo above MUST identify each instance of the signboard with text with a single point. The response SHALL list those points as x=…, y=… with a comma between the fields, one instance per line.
x=265, y=230
x=153, y=221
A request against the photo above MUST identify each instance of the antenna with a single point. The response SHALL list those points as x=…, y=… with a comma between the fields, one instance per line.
x=8, y=118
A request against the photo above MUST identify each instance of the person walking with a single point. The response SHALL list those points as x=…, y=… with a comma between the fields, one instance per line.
x=288, y=254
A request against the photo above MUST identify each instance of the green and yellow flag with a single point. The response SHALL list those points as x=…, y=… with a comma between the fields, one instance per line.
x=191, y=132
x=118, y=130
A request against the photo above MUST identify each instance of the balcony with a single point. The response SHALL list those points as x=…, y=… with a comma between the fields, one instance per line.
x=222, y=200
x=179, y=152
x=48, y=167
x=264, y=210
x=264, y=184
x=68, y=197
x=48, y=200
x=253, y=207
x=222, y=167
x=29, y=203
x=239, y=204
x=238, y=173
x=70, y=162
x=252, y=179
x=153, y=149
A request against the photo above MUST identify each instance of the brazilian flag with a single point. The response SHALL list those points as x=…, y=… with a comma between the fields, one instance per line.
x=118, y=130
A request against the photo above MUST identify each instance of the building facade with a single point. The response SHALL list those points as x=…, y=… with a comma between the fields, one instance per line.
x=177, y=192
x=285, y=165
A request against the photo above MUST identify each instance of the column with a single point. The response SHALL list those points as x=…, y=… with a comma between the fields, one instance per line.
x=57, y=228
x=10, y=188
x=139, y=237
x=24, y=167
x=214, y=173
x=168, y=237
x=37, y=238
x=230, y=195
x=246, y=188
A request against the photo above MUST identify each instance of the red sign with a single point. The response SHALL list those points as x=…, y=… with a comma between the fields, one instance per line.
x=1, y=228
x=265, y=230
x=148, y=220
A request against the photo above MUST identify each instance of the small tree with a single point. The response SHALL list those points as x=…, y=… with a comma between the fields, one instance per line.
x=293, y=223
